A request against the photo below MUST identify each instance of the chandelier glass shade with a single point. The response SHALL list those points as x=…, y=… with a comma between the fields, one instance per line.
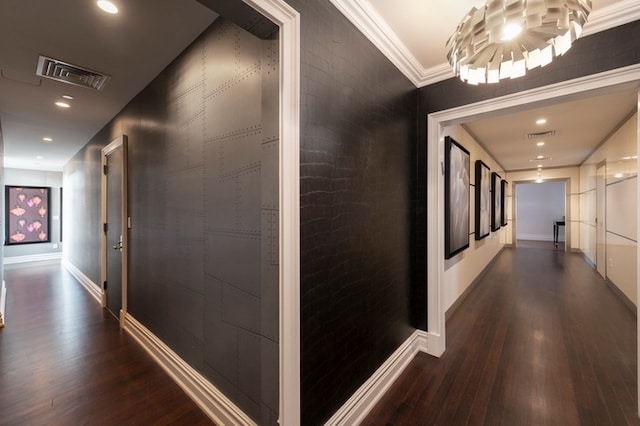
x=506, y=38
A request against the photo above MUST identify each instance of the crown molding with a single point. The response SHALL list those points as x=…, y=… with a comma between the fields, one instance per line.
x=617, y=14
x=361, y=14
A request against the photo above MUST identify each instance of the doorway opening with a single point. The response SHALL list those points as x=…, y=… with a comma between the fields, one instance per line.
x=606, y=82
x=540, y=213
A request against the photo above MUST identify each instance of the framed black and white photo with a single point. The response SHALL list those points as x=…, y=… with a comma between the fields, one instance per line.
x=27, y=214
x=503, y=201
x=483, y=200
x=496, y=202
x=457, y=197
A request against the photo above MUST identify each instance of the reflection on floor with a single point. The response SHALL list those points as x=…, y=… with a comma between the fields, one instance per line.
x=65, y=361
x=540, y=340
x=549, y=245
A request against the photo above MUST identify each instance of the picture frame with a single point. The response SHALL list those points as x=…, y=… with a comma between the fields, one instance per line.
x=457, y=192
x=496, y=202
x=27, y=215
x=483, y=200
x=503, y=201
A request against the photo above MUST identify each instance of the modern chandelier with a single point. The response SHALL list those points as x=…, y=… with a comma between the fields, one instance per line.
x=506, y=38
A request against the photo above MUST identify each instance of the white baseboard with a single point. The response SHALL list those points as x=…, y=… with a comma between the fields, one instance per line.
x=366, y=397
x=213, y=402
x=11, y=260
x=3, y=304
x=94, y=290
x=539, y=237
x=434, y=344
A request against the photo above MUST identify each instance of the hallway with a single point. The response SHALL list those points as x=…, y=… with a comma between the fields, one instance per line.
x=541, y=340
x=64, y=361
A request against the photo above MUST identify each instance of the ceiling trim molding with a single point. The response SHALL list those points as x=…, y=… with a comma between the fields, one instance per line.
x=361, y=14
x=612, y=16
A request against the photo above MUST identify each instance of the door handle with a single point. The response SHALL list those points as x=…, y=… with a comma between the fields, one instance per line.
x=118, y=246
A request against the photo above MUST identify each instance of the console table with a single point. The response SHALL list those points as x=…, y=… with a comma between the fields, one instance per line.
x=556, y=225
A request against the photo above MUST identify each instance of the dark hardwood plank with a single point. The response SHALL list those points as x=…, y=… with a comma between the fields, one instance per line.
x=541, y=340
x=64, y=360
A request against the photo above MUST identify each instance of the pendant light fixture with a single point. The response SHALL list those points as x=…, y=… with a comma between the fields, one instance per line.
x=505, y=38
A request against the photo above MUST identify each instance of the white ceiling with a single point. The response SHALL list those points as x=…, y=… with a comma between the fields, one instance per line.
x=135, y=45
x=580, y=126
x=132, y=47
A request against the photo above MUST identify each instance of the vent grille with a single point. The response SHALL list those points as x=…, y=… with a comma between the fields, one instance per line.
x=541, y=134
x=71, y=74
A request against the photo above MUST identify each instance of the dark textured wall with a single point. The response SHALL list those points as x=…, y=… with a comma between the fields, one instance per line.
x=203, y=194
x=604, y=51
x=81, y=181
x=357, y=136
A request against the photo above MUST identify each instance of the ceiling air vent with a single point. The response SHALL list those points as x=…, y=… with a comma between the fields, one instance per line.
x=541, y=134
x=72, y=74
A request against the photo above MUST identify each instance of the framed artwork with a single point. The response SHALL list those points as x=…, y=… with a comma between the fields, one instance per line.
x=496, y=202
x=27, y=214
x=457, y=165
x=483, y=200
x=503, y=201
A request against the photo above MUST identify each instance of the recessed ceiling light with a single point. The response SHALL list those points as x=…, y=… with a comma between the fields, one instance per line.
x=67, y=97
x=540, y=144
x=63, y=105
x=539, y=166
x=540, y=157
x=539, y=180
x=108, y=7
x=541, y=121
x=618, y=175
x=47, y=139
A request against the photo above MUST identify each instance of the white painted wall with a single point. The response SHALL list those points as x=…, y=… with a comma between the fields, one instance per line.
x=620, y=154
x=538, y=206
x=562, y=175
x=462, y=269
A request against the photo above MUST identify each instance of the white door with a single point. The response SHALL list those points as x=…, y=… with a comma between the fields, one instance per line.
x=601, y=190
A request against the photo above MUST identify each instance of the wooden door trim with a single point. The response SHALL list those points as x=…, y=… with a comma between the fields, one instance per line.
x=119, y=142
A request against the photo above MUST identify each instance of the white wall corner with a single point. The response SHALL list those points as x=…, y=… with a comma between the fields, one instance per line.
x=94, y=290
x=213, y=402
x=365, y=398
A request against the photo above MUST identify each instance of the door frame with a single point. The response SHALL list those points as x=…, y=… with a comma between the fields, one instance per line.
x=626, y=77
x=288, y=21
x=119, y=142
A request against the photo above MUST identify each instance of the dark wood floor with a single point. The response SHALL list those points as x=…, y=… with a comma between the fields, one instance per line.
x=65, y=361
x=540, y=341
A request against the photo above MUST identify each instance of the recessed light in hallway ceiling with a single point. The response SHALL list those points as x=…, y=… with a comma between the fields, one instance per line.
x=108, y=7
